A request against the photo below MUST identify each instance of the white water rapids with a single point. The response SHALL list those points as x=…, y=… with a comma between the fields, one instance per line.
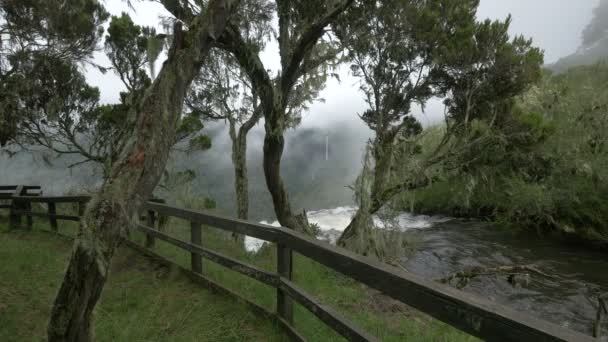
x=333, y=221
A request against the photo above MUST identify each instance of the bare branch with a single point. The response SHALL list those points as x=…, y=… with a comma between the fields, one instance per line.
x=306, y=41
x=251, y=63
x=179, y=10
x=464, y=277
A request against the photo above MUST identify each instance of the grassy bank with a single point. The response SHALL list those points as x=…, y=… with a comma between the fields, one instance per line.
x=373, y=312
x=141, y=302
x=119, y=310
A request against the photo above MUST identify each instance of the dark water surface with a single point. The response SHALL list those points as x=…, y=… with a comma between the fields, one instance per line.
x=567, y=298
x=443, y=246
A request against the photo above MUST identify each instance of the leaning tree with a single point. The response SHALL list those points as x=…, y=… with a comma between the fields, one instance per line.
x=406, y=52
x=136, y=171
x=394, y=47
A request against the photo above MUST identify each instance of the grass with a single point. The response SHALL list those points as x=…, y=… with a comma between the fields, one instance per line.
x=145, y=303
x=141, y=302
x=379, y=315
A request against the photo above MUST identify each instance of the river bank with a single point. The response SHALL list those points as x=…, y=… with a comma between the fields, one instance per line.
x=445, y=245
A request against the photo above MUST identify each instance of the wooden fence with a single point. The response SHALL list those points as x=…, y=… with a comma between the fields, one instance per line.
x=469, y=313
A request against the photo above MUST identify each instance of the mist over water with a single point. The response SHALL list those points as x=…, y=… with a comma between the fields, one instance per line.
x=332, y=223
x=317, y=175
x=52, y=173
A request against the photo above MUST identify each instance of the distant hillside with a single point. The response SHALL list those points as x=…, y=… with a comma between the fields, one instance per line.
x=585, y=56
x=594, y=47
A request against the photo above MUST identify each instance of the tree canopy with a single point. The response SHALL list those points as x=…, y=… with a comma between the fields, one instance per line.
x=34, y=36
x=407, y=52
x=62, y=113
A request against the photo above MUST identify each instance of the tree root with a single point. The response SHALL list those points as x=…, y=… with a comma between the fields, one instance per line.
x=514, y=274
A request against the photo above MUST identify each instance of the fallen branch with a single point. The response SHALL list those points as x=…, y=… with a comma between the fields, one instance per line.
x=395, y=263
x=602, y=309
x=464, y=277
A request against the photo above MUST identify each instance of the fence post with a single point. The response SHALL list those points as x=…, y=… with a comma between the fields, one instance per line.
x=196, y=239
x=284, y=269
x=151, y=218
x=30, y=219
x=15, y=219
x=52, y=212
x=16, y=205
x=81, y=207
x=160, y=219
x=11, y=216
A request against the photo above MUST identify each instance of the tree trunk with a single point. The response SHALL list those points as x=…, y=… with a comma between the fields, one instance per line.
x=71, y=317
x=353, y=236
x=273, y=151
x=132, y=179
x=383, y=156
x=274, y=142
x=241, y=181
x=358, y=233
x=239, y=161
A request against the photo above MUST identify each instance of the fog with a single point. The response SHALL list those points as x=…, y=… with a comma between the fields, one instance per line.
x=314, y=180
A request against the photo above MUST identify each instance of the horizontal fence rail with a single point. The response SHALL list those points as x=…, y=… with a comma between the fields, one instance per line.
x=53, y=199
x=9, y=191
x=23, y=196
x=325, y=314
x=248, y=270
x=14, y=187
x=476, y=316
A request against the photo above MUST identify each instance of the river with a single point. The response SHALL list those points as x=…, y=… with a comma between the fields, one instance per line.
x=445, y=245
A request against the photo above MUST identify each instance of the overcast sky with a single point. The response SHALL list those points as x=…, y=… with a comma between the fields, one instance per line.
x=555, y=26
